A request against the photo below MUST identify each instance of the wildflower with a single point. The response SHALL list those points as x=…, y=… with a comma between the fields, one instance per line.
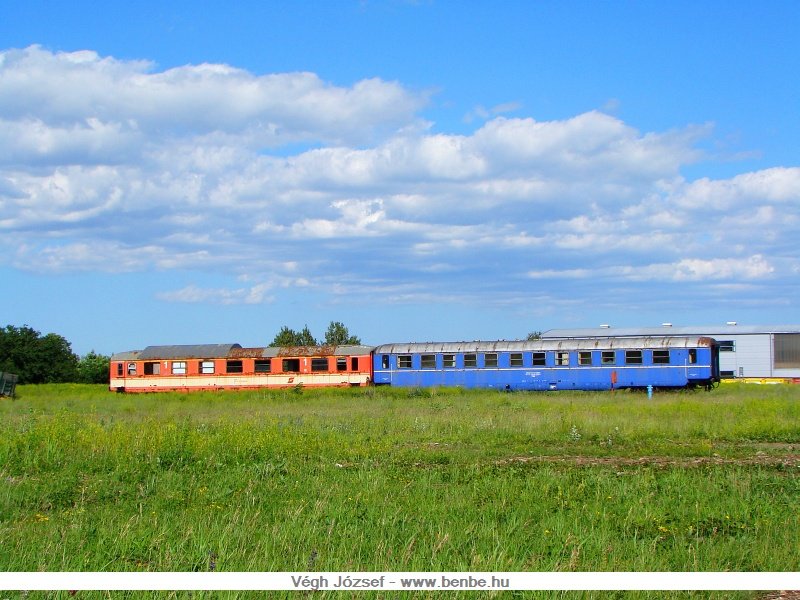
x=41, y=518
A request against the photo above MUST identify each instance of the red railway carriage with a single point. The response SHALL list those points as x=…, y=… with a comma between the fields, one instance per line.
x=229, y=366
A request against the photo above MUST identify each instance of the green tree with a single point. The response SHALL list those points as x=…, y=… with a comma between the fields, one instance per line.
x=338, y=335
x=289, y=337
x=306, y=339
x=36, y=358
x=285, y=337
x=534, y=335
x=93, y=368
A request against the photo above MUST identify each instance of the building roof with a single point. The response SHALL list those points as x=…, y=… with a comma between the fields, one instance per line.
x=716, y=331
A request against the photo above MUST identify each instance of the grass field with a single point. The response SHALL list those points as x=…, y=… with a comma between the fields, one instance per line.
x=382, y=479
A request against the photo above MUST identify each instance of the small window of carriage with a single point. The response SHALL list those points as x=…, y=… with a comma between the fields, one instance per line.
x=354, y=363
x=608, y=357
x=539, y=359
x=470, y=361
x=660, y=357
x=727, y=345
x=449, y=361
x=152, y=368
x=131, y=368
x=179, y=367
x=320, y=364
x=562, y=358
x=428, y=361
x=404, y=361
x=384, y=361
x=515, y=359
x=341, y=363
x=234, y=366
x=262, y=365
x=633, y=357
x=206, y=367
x=291, y=365
x=584, y=358
x=120, y=369
x=490, y=359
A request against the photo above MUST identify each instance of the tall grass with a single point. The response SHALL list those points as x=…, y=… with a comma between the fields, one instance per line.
x=404, y=480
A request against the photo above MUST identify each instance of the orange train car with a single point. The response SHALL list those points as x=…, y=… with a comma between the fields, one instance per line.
x=230, y=366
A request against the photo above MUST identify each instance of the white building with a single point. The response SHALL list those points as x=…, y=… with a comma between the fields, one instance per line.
x=746, y=351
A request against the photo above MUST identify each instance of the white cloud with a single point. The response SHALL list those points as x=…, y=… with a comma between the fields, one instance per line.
x=111, y=165
x=67, y=88
x=193, y=294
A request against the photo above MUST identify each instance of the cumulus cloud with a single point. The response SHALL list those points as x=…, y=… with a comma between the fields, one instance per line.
x=257, y=294
x=108, y=164
x=58, y=90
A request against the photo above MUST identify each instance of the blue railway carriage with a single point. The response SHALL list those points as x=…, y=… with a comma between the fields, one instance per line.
x=552, y=364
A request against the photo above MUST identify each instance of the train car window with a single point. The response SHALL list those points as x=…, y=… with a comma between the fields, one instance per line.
x=404, y=361
x=319, y=364
x=470, y=361
x=692, y=356
x=206, y=367
x=607, y=357
x=234, y=366
x=428, y=361
x=263, y=365
x=539, y=359
x=152, y=368
x=385, y=361
x=490, y=360
x=119, y=369
x=354, y=363
x=660, y=357
x=179, y=367
x=633, y=357
x=516, y=359
x=449, y=361
x=131, y=368
x=562, y=358
x=584, y=358
x=291, y=365
x=341, y=363
x=727, y=346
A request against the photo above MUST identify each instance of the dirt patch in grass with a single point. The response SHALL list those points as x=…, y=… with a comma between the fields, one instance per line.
x=785, y=595
x=759, y=459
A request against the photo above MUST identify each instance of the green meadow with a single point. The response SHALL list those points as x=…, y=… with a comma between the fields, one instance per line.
x=380, y=479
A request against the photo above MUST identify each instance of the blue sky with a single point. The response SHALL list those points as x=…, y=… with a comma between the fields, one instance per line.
x=204, y=172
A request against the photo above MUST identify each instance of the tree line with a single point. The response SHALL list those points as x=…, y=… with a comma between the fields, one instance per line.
x=37, y=358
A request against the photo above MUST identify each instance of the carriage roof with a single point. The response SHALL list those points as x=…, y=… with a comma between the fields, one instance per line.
x=647, y=342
